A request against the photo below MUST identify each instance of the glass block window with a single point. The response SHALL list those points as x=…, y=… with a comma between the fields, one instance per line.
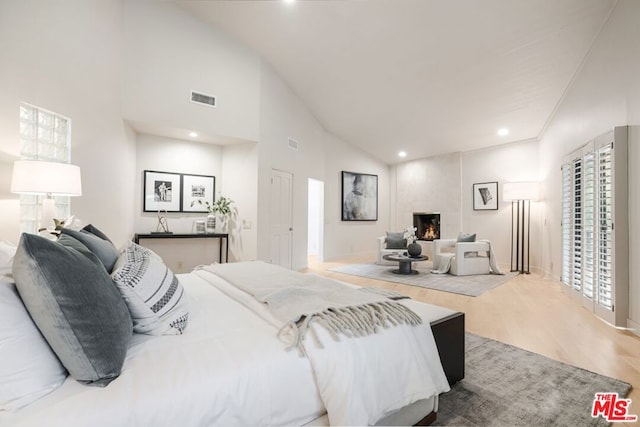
x=46, y=136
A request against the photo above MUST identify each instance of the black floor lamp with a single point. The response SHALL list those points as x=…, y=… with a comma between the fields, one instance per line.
x=520, y=194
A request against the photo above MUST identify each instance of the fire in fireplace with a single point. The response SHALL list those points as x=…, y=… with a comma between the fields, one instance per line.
x=427, y=225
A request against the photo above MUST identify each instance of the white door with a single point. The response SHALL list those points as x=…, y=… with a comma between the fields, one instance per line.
x=280, y=214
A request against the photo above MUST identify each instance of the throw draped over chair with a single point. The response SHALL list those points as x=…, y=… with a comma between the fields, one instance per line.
x=461, y=258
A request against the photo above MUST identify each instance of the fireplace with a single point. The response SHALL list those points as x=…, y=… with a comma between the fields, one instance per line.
x=427, y=225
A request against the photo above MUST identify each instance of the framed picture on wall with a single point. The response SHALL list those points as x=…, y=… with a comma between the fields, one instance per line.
x=161, y=191
x=359, y=196
x=198, y=191
x=485, y=196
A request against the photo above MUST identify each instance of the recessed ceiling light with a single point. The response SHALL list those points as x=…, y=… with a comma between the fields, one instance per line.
x=193, y=134
x=289, y=1
x=402, y=154
x=503, y=131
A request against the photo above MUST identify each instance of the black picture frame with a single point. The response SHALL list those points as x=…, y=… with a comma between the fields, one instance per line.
x=161, y=191
x=485, y=196
x=197, y=190
x=359, y=196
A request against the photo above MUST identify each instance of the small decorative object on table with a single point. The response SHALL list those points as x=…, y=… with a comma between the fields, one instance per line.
x=413, y=248
x=163, y=225
x=200, y=227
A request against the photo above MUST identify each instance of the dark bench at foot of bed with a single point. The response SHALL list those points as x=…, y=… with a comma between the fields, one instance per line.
x=448, y=333
x=449, y=336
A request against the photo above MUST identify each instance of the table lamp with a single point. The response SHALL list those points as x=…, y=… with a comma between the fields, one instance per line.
x=46, y=178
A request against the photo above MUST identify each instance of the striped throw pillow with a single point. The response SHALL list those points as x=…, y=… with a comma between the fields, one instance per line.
x=153, y=294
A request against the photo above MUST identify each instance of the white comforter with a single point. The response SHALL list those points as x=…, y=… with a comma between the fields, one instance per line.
x=363, y=379
x=228, y=369
x=220, y=372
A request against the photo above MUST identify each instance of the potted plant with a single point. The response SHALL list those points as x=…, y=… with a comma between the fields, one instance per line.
x=222, y=206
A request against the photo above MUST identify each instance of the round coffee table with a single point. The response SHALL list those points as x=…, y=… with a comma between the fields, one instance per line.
x=404, y=263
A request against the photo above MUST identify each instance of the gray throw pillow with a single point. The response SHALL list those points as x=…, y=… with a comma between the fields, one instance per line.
x=396, y=240
x=97, y=243
x=76, y=306
x=466, y=237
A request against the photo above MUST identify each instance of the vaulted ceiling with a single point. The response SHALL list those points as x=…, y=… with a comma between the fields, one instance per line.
x=424, y=76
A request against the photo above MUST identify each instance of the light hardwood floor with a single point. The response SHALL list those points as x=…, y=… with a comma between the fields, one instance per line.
x=533, y=313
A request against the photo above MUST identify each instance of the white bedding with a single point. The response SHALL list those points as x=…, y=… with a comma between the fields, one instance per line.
x=362, y=379
x=218, y=373
x=264, y=387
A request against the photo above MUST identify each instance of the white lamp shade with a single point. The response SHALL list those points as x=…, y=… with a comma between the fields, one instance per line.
x=526, y=190
x=39, y=177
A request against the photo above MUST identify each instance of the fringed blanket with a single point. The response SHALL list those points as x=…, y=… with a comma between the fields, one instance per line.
x=359, y=380
x=297, y=299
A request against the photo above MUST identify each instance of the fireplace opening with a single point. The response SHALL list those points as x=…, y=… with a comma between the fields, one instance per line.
x=427, y=225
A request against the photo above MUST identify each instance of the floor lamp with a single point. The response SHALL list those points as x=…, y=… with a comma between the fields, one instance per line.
x=46, y=178
x=520, y=194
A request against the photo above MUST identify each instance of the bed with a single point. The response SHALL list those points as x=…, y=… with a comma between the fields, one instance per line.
x=229, y=366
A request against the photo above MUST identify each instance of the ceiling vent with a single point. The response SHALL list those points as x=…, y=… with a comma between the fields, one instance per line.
x=293, y=144
x=203, y=99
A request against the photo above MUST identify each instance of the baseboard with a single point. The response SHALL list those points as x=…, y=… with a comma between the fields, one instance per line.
x=633, y=327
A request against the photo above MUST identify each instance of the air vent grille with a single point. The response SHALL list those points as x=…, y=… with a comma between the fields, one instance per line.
x=293, y=144
x=203, y=99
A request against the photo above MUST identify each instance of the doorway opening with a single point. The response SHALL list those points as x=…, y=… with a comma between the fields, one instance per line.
x=315, y=223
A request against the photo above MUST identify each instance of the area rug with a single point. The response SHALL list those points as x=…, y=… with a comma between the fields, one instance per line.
x=465, y=285
x=508, y=386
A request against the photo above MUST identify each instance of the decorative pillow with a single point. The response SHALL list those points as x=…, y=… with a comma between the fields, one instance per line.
x=153, y=294
x=7, y=251
x=396, y=240
x=75, y=305
x=97, y=243
x=29, y=369
x=466, y=237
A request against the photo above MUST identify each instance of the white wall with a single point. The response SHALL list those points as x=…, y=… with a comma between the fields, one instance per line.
x=168, y=53
x=178, y=156
x=504, y=163
x=321, y=156
x=352, y=238
x=604, y=94
x=445, y=184
x=67, y=57
x=239, y=182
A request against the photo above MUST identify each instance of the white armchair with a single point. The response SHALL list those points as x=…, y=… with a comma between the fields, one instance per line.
x=383, y=250
x=465, y=258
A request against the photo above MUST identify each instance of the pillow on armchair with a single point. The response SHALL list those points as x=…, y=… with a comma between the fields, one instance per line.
x=396, y=240
x=466, y=237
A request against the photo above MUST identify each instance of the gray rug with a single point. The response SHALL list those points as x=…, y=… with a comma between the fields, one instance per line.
x=465, y=285
x=508, y=386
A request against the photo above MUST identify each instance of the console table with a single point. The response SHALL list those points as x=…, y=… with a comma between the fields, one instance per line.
x=220, y=236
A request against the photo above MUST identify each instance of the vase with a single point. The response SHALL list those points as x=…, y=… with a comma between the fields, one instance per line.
x=414, y=249
x=211, y=223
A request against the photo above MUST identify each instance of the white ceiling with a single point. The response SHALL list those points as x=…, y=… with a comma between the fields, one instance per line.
x=424, y=76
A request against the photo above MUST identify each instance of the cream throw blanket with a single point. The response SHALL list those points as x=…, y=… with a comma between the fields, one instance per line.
x=360, y=380
x=297, y=299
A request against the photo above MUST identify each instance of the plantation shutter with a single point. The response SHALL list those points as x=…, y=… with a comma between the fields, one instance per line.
x=567, y=224
x=595, y=232
x=576, y=220
x=605, y=226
